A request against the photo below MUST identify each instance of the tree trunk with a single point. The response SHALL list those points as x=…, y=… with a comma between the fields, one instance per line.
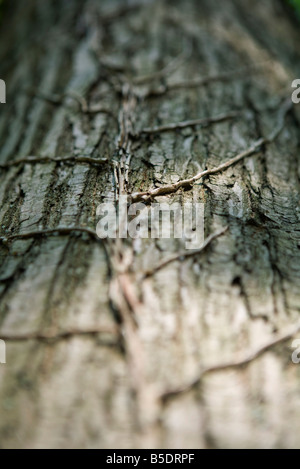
x=196, y=354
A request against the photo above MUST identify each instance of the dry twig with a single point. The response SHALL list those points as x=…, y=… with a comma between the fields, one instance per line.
x=188, y=183
x=229, y=365
x=185, y=254
x=63, y=231
x=199, y=82
x=57, y=100
x=59, y=159
x=45, y=337
x=190, y=123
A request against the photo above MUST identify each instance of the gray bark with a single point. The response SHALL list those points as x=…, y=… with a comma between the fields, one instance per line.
x=197, y=355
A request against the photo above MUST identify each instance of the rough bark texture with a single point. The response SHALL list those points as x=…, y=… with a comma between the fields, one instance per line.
x=97, y=356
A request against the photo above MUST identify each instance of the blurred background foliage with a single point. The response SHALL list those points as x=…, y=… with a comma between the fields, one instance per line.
x=296, y=5
x=1, y=8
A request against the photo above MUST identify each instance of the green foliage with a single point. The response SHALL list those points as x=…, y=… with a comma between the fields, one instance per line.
x=296, y=5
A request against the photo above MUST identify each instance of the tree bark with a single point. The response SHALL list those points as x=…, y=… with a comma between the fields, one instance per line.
x=198, y=353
